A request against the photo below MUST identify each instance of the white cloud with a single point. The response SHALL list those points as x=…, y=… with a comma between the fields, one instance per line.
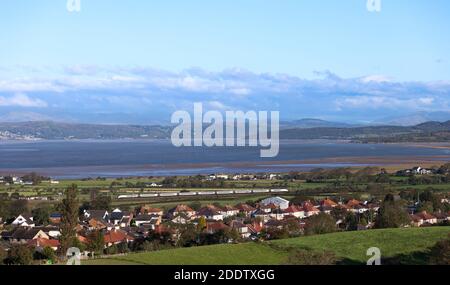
x=21, y=100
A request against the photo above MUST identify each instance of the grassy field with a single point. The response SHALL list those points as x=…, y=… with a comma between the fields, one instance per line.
x=351, y=247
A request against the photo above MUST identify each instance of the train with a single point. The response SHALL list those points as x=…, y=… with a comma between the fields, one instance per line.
x=201, y=193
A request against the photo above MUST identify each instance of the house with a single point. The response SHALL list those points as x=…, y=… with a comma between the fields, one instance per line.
x=255, y=228
x=180, y=219
x=23, y=235
x=147, y=209
x=229, y=211
x=24, y=221
x=41, y=243
x=277, y=214
x=277, y=201
x=214, y=227
x=182, y=209
x=210, y=212
x=241, y=228
x=310, y=209
x=55, y=218
x=99, y=224
x=51, y=231
x=96, y=214
x=442, y=217
x=245, y=209
x=115, y=237
x=296, y=211
x=147, y=219
x=120, y=218
x=261, y=215
x=421, y=171
x=327, y=205
x=427, y=218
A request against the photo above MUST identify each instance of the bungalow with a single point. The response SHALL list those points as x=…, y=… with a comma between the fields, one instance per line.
x=23, y=221
x=115, y=237
x=245, y=209
x=214, y=227
x=51, y=231
x=96, y=214
x=210, y=213
x=241, y=228
x=23, y=235
x=255, y=228
x=261, y=215
x=277, y=214
x=310, y=209
x=427, y=218
x=229, y=211
x=442, y=217
x=151, y=211
x=295, y=211
x=182, y=209
x=277, y=201
x=41, y=243
x=99, y=224
x=147, y=220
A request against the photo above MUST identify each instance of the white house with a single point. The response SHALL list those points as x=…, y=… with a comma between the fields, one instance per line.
x=24, y=221
x=277, y=201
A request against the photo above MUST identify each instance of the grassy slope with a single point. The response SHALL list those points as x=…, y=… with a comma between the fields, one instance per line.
x=347, y=245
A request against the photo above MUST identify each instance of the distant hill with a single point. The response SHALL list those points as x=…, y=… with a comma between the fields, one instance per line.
x=425, y=132
x=60, y=131
x=414, y=119
x=313, y=123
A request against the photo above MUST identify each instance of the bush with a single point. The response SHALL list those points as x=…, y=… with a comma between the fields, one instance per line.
x=20, y=255
x=320, y=224
x=307, y=257
x=440, y=253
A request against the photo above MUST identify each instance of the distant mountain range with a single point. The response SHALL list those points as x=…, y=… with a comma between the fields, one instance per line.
x=47, y=130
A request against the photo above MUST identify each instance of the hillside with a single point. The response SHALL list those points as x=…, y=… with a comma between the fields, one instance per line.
x=351, y=247
x=426, y=132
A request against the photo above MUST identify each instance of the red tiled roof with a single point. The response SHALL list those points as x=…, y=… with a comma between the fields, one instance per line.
x=424, y=215
x=42, y=242
x=182, y=208
x=328, y=203
x=245, y=208
x=116, y=236
x=353, y=203
x=293, y=209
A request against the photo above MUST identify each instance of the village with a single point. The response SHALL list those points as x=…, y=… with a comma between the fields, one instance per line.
x=100, y=232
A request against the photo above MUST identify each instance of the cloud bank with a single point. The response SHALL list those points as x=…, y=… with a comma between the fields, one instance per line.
x=150, y=95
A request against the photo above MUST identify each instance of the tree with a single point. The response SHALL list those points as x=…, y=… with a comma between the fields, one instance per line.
x=69, y=219
x=18, y=207
x=41, y=216
x=3, y=255
x=426, y=206
x=101, y=202
x=49, y=254
x=201, y=224
x=351, y=222
x=391, y=215
x=440, y=253
x=20, y=255
x=320, y=224
x=96, y=242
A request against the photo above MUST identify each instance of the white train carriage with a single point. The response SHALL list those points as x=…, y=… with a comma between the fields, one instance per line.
x=279, y=190
x=224, y=192
x=261, y=191
x=170, y=194
x=243, y=191
x=184, y=194
x=153, y=195
x=206, y=193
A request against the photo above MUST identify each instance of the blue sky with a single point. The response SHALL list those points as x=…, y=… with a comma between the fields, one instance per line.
x=137, y=61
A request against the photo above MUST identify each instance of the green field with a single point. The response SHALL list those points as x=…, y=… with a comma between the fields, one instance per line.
x=351, y=247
